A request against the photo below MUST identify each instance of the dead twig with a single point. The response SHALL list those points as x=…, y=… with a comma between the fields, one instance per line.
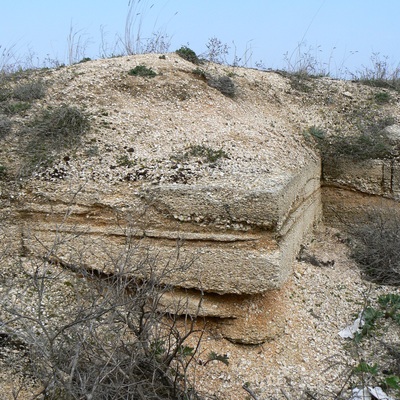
x=250, y=392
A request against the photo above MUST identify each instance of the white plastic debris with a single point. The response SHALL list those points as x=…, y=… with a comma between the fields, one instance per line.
x=360, y=394
x=365, y=394
x=351, y=330
x=379, y=394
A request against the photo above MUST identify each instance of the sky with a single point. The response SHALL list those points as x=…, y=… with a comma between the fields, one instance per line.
x=333, y=34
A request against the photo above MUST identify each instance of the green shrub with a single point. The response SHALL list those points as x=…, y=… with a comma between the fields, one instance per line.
x=361, y=147
x=29, y=91
x=54, y=130
x=5, y=93
x=85, y=59
x=371, y=143
x=200, y=73
x=62, y=122
x=125, y=161
x=188, y=54
x=207, y=153
x=3, y=172
x=15, y=107
x=5, y=125
x=316, y=132
x=222, y=83
x=382, y=97
x=142, y=70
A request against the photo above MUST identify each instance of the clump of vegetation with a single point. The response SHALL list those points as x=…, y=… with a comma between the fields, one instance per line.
x=142, y=70
x=84, y=59
x=109, y=342
x=382, y=97
x=15, y=107
x=371, y=143
x=29, y=91
x=125, y=161
x=54, y=130
x=3, y=172
x=5, y=93
x=361, y=147
x=203, y=152
x=18, y=99
x=188, y=54
x=5, y=125
x=379, y=366
x=116, y=337
x=216, y=51
x=376, y=248
x=380, y=74
x=206, y=152
x=200, y=73
x=316, y=132
x=63, y=123
x=222, y=83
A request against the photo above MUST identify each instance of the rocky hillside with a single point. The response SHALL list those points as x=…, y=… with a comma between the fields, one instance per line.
x=213, y=169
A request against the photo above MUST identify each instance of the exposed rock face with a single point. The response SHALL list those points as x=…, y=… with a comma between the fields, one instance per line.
x=248, y=260
x=354, y=189
x=375, y=177
x=220, y=192
x=209, y=258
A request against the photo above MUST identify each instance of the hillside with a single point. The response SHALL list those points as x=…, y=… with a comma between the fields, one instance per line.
x=220, y=176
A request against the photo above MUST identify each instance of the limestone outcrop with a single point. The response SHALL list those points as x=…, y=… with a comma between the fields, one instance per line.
x=353, y=188
x=218, y=192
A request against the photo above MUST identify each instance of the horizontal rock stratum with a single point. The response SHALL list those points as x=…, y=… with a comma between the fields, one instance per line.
x=251, y=259
x=219, y=191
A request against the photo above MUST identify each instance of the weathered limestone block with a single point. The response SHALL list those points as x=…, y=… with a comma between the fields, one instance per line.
x=344, y=208
x=240, y=319
x=210, y=255
x=365, y=175
x=372, y=176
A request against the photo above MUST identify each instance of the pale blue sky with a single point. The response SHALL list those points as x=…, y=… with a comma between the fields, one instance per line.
x=341, y=33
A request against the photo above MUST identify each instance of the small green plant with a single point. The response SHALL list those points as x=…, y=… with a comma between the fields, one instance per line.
x=364, y=367
x=125, y=161
x=316, y=132
x=205, y=152
x=213, y=356
x=370, y=316
x=390, y=304
x=382, y=97
x=188, y=54
x=142, y=70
